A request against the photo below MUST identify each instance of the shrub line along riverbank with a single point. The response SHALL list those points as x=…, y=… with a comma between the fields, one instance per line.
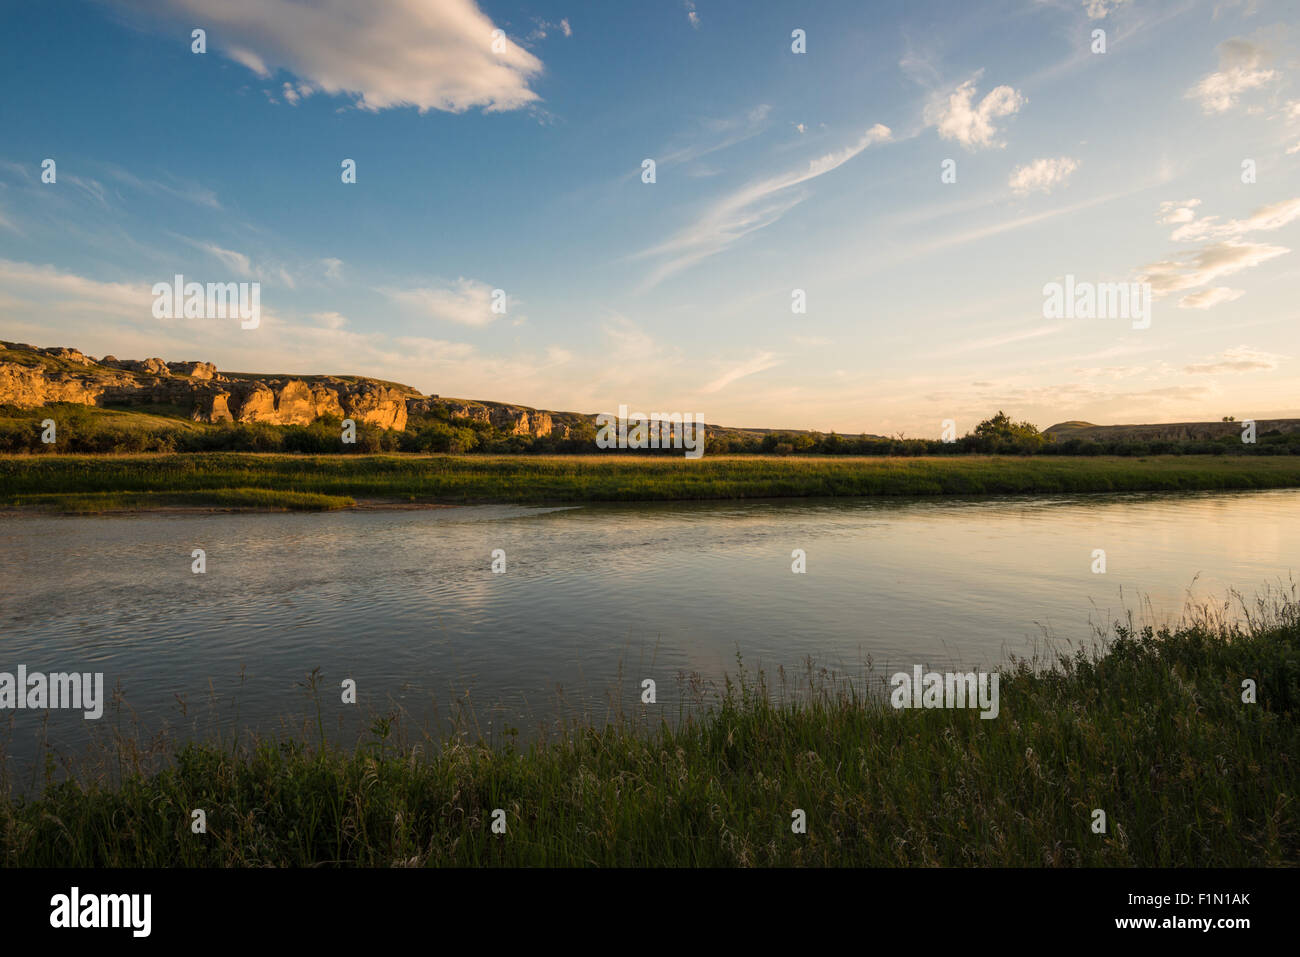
x=270, y=481
x=1155, y=732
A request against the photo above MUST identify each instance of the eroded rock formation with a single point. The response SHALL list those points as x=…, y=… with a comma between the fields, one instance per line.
x=32, y=377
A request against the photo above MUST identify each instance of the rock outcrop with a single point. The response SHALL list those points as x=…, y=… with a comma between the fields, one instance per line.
x=195, y=370
x=154, y=367
x=31, y=377
x=68, y=355
x=29, y=386
x=513, y=419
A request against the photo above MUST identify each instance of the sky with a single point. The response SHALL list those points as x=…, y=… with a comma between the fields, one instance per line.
x=916, y=176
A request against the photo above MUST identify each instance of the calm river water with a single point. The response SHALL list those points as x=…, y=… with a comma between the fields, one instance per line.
x=592, y=599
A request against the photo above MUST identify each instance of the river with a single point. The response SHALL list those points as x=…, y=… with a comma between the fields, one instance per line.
x=592, y=600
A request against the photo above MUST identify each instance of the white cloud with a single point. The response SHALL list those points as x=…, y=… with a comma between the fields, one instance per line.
x=748, y=209
x=1225, y=254
x=543, y=28
x=69, y=292
x=1178, y=211
x=293, y=94
x=1042, y=175
x=956, y=116
x=1205, y=265
x=1209, y=298
x=1266, y=218
x=465, y=301
x=1241, y=68
x=1239, y=359
x=433, y=56
x=1097, y=9
x=333, y=268
x=249, y=59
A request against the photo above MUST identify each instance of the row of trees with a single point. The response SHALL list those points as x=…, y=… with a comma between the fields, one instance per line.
x=86, y=430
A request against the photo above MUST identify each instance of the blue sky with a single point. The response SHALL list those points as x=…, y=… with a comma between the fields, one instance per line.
x=520, y=169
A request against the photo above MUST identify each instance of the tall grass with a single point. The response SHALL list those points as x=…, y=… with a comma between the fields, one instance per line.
x=223, y=498
x=40, y=480
x=1149, y=727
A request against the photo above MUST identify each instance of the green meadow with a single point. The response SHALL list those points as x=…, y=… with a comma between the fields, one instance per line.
x=278, y=481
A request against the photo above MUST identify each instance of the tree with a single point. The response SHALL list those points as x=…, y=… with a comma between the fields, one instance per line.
x=1001, y=427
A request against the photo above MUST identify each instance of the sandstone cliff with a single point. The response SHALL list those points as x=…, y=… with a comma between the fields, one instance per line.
x=32, y=377
x=512, y=419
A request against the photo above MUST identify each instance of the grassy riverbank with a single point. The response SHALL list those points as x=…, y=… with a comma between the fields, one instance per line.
x=1153, y=731
x=244, y=480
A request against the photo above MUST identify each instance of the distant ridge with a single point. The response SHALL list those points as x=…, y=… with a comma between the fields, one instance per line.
x=1167, y=431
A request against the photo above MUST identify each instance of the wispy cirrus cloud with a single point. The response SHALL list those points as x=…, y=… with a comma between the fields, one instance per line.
x=1203, y=266
x=1209, y=298
x=1239, y=359
x=60, y=289
x=718, y=134
x=750, y=208
x=467, y=302
x=235, y=261
x=759, y=363
x=177, y=189
x=997, y=342
x=1192, y=228
x=243, y=265
x=1226, y=251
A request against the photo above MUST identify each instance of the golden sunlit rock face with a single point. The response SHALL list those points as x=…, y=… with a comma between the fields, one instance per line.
x=31, y=377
